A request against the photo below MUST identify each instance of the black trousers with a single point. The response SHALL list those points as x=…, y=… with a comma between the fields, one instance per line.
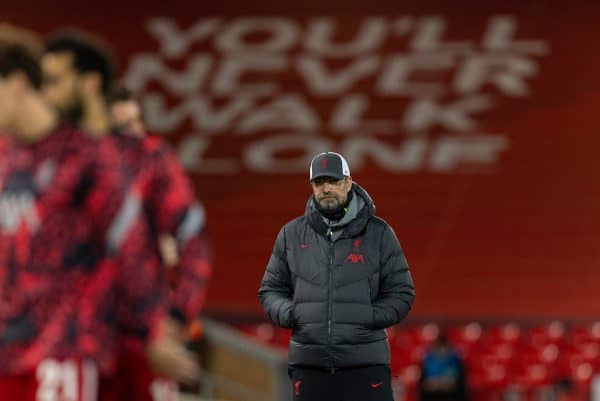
x=371, y=383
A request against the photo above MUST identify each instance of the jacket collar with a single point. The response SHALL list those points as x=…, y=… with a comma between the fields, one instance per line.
x=351, y=226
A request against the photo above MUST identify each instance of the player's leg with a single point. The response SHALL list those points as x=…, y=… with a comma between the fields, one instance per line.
x=138, y=381
x=17, y=387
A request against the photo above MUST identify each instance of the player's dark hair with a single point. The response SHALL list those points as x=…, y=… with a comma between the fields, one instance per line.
x=89, y=55
x=18, y=58
x=120, y=94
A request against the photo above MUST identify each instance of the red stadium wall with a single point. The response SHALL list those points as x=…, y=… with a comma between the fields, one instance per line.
x=472, y=125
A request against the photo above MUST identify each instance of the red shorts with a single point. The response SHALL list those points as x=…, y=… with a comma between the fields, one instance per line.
x=54, y=380
x=137, y=380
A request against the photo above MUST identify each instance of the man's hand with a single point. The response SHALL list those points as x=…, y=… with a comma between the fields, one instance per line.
x=169, y=252
x=170, y=358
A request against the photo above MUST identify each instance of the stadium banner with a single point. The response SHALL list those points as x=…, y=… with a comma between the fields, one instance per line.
x=471, y=124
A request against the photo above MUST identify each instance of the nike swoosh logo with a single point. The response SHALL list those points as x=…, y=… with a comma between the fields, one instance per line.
x=375, y=385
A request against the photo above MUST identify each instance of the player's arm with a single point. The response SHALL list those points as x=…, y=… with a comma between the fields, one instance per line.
x=117, y=211
x=179, y=214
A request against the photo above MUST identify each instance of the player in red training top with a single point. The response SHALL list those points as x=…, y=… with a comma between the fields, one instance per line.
x=172, y=209
x=60, y=196
x=159, y=202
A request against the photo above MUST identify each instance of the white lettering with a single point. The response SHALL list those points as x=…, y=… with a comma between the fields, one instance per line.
x=173, y=42
x=395, y=78
x=507, y=73
x=423, y=114
x=289, y=111
x=18, y=208
x=227, y=78
x=57, y=381
x=499, y=36
x=348, y=116
x=261, y=156
x=192, y=152
x=282, y=35
x=428, y=37
x=320, y=32
x=291, y=153
x=326, y=83
x=407, y=157
x=145, y=68
x=199, y=109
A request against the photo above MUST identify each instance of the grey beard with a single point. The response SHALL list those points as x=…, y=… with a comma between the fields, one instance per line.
x=329, y=206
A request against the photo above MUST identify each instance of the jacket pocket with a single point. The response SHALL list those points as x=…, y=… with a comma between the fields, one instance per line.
x=293, y=315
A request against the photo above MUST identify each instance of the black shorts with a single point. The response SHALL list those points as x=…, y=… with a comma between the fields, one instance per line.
x=373, y=383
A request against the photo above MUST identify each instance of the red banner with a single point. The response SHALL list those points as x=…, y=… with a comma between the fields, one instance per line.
x=471, y=125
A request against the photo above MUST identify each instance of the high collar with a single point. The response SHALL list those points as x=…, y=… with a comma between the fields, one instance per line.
x=350, y=226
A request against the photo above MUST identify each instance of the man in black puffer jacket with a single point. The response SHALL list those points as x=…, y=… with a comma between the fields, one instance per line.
x=337, y=277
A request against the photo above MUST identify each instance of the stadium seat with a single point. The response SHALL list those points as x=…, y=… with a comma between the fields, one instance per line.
x=498, y=358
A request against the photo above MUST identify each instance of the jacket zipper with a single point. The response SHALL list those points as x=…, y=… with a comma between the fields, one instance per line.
x=330, y=306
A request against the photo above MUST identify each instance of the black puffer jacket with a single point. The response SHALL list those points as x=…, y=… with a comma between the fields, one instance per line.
x=337, y=292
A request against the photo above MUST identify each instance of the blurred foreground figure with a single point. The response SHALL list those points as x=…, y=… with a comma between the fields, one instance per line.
x=443, y=373
x=178, y=223
x=60, y=197
x=164, y=223
x=337, y=277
